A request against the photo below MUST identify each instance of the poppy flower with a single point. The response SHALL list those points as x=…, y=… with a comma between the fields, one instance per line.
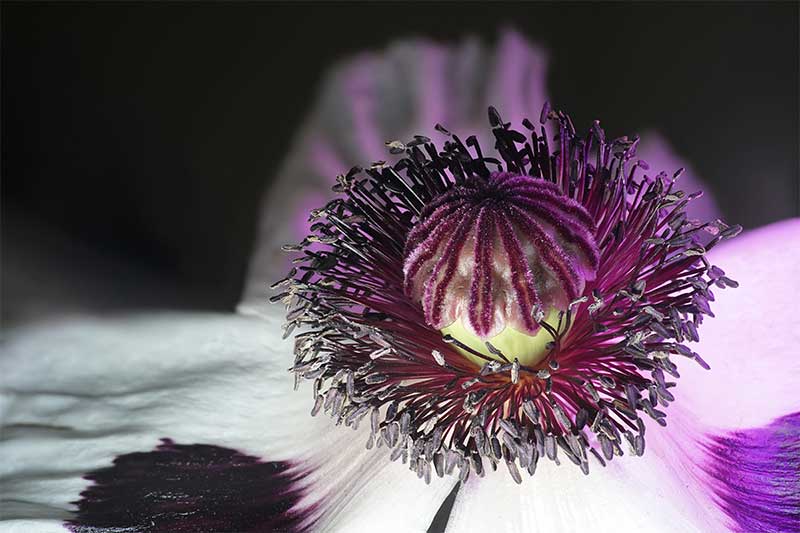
x=521, y=316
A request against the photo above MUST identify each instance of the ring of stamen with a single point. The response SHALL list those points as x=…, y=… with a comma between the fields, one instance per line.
x=378, y=278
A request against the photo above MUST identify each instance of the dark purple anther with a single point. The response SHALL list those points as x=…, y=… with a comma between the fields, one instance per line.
x=464, y=287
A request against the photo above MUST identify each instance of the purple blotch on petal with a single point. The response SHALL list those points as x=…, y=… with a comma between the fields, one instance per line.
x=196, y=487
x=755, y=476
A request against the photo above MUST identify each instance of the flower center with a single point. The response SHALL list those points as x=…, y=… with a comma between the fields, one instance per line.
x=492, y=260
x=529, y=350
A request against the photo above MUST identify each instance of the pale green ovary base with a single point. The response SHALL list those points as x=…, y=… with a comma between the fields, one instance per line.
x=529, y=349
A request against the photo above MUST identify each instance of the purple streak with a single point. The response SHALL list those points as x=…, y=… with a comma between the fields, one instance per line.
x=755, y=475
x=499, y=217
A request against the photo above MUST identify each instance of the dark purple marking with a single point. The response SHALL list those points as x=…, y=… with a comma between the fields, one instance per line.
x=537, y=214
x=190, y=487
x=756, y=476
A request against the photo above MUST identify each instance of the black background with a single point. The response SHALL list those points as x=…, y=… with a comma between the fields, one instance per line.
x=137, y=138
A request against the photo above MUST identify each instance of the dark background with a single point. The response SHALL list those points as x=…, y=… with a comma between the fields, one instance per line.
x=137, y=138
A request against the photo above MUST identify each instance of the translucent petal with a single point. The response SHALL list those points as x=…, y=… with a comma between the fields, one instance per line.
x=385, y=96
x=752, y=343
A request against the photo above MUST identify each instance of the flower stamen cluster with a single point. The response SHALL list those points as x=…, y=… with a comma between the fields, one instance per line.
x=559, y=236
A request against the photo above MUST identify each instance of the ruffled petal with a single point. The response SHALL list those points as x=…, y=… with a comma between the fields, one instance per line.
x=385, y=96
x=518, y=81
x=80, y=393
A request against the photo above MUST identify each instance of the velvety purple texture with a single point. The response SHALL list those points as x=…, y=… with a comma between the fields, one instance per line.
x=494, y=222
x=182, y=488
x=755, y=476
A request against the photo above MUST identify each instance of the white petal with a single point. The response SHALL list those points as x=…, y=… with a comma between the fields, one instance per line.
x=28, y=526
x=365, y=492
x=655, y=493
x=78, y=393
x=752, y=344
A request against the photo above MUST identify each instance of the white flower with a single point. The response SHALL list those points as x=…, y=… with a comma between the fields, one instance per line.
x=79, y=392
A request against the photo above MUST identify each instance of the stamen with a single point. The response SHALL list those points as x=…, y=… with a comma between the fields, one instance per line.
x=483, y=316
